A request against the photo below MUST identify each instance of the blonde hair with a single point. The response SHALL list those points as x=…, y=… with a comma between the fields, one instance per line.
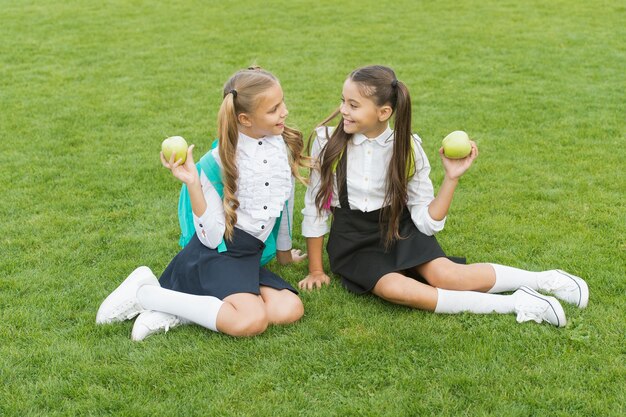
x=242, y=93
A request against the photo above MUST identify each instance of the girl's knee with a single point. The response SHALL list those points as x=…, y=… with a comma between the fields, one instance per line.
x=392, y=288
x=289, y=310
x=249, y=325
x=296, y=309
x=440, y=274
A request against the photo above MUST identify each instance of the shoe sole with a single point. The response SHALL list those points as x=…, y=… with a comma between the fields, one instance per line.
x=556, y=307
x=583, y=288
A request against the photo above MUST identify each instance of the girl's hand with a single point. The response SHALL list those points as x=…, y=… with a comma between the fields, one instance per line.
x=455, y=168
x=285, y=257
x=315, y=279
x=187, y=172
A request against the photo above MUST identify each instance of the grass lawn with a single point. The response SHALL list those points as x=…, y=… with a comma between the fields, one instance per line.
x=88, y=90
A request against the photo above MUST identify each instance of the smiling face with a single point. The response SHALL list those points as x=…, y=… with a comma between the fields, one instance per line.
x=360, y=112
x=268, y=116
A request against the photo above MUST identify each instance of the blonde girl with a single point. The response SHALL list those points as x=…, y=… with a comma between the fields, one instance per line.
x=227, y=290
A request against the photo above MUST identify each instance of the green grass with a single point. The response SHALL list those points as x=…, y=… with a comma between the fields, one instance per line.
x=89, y=90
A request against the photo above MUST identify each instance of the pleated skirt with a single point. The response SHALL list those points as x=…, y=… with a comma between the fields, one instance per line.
x=199, y=270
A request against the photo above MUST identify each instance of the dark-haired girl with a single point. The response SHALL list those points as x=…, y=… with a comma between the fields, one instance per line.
x=375, y=182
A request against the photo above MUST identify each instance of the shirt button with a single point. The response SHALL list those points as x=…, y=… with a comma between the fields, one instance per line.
x=260, y=143
x=267, y=183
x=262, y=227
x=201, y=225
x=265, y=161
x=365, y=178
x=264, y=207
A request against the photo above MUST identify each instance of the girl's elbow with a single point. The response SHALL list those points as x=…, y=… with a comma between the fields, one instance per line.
x=211, y=239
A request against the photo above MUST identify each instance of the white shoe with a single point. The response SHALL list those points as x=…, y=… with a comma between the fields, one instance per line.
x=122, y=304
x=530, y=305
x=564, y=286
x=151, y=322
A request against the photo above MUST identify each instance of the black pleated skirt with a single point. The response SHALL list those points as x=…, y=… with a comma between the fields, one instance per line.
x=357, y=254
x=199, y=270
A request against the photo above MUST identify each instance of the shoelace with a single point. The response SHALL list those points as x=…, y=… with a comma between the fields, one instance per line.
x=128, y=310
x=559, y=283
x=164, y=324
x=534, y=312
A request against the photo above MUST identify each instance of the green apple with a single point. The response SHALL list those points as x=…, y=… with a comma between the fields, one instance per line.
x=456, y=145
x=176, y=145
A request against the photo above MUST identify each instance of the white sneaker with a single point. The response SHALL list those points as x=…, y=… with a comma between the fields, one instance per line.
x=150, y=322
x=530, y=305
x=122, y=304
x=566, y=287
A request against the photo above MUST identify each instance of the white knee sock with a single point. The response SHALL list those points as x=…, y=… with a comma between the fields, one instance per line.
x=453, y=302
x=200, y=309
x=510, y=279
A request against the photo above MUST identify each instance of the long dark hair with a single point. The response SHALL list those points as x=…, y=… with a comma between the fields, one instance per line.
x=379, y=83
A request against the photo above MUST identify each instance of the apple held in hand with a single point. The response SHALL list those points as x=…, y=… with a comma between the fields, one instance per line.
x=175, y=145
x=456, y=145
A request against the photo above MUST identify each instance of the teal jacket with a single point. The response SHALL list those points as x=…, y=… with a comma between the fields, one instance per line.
x=212, y=170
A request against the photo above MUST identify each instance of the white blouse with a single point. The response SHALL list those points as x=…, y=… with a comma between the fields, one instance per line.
x=368, y=160
x=264, y=185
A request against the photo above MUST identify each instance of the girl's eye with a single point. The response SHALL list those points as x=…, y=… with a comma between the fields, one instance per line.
x=353, y=106
x=275, y=109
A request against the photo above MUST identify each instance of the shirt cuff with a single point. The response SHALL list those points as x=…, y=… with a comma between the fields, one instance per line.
x=283, y=240
x=427, y=224
x=283, y=244
x=313, y=226
x=211, y=240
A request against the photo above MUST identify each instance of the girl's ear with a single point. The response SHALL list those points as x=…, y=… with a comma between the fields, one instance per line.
x=244, y=120
x=384, y=113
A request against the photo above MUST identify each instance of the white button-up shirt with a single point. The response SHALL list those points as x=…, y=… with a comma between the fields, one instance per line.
x=368, y=160
x=264, y=186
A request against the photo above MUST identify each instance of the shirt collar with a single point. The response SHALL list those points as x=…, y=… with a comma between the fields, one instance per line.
x=383, y=139
x=247, y=144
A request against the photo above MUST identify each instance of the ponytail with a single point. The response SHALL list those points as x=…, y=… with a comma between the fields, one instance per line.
x=229, y=134
x=295, y=144
x=402, y=165
x=328, y=160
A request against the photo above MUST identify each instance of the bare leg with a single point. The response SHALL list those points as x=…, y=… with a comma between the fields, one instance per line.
x=528, y=304
x=242, y=314
x=281, y=306
x=443, y=273
x=399, y=289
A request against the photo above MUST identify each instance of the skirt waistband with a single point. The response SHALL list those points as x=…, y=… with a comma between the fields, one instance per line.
x=345, y=219
x=244, y=240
